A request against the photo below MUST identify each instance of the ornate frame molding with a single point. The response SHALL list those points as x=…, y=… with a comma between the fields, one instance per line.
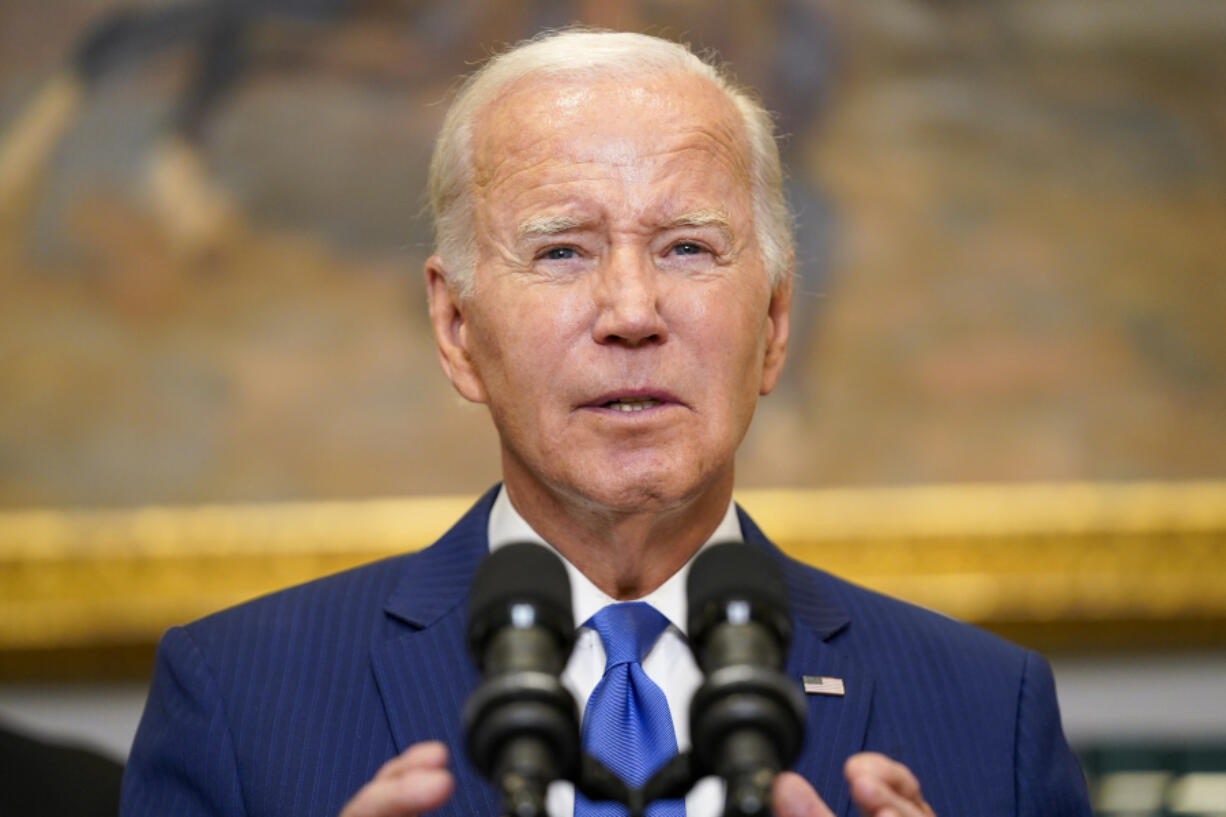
x=1056, y=566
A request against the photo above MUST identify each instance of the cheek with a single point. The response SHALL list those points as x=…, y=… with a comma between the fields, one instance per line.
x=526, y=339
x=565, y=313
x=730, y=331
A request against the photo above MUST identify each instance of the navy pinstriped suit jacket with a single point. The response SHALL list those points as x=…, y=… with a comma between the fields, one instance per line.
x=288, y=704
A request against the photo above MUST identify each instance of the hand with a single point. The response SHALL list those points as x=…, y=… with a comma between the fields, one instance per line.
x=415, y=781
x=792, y=796
x=880, y=787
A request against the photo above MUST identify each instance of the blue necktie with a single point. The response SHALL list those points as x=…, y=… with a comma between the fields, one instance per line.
x=627, y=725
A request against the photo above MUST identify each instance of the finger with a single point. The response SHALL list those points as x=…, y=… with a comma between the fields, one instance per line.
x=882, y=787
x=430, y=754
x=792, y=796
x=404, y=796
x=875, y=799
x=890, y=772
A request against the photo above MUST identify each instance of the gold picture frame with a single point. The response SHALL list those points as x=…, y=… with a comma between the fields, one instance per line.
x=86, y=593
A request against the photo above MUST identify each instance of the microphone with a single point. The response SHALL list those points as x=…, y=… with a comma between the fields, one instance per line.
x=522, y=725
x=747, y=718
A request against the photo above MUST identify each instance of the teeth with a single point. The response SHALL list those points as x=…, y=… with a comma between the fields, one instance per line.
x=632, y=405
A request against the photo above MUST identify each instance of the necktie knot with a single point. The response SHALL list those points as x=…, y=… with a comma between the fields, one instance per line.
x=628, y=631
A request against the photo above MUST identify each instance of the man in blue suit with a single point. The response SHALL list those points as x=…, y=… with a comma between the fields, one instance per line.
x=612, y=279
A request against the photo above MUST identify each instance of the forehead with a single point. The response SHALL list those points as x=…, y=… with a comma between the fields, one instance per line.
x=545, y=130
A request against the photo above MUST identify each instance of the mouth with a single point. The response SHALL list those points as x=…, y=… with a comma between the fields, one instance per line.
x=631, y=405
x=632, y=401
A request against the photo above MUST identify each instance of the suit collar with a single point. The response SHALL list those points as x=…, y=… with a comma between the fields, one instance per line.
x=813, y=608
x=836, y=726
x=423, y=671
x=437, y=579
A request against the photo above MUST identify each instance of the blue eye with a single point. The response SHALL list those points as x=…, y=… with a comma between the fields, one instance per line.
x=560, y=253
x=687, y=248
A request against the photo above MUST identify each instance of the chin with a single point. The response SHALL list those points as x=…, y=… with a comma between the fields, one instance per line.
x=643, y=490
x=636, y=498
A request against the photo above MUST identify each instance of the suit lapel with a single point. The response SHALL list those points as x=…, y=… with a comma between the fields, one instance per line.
x=423, y=670
x=836, y=725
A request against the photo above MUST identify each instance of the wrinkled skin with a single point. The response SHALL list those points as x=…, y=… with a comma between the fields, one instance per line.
x=616, y=260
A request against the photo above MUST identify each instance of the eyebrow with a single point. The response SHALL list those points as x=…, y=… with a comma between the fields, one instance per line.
x=544, y=226
x=704, y=218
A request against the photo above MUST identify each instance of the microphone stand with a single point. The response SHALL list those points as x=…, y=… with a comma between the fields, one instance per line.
x=673, y=780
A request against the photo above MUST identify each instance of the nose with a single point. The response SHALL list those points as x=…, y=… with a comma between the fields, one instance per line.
x=627, y=295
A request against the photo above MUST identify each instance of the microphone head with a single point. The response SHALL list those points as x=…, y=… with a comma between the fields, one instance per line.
x=747, y=718
x=521, y=724
x=730, y=572
x=520, y=585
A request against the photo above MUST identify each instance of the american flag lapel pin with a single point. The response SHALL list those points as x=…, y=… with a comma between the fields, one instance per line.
x=823, y=685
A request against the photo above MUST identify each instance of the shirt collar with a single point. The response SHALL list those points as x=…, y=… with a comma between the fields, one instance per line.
x=507, y=526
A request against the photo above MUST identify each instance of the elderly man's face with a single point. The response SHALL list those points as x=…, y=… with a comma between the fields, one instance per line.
x=622, y=324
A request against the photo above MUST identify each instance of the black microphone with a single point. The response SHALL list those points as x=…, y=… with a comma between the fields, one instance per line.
x=747, y=718
x=522, y=725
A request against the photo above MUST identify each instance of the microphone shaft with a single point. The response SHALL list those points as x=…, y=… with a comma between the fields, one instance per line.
x=748, y=763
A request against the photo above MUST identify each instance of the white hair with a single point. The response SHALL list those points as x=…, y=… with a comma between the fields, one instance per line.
x=590, y=53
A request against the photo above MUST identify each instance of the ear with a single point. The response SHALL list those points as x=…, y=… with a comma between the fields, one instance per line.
x=451, y=333
x=777, y=327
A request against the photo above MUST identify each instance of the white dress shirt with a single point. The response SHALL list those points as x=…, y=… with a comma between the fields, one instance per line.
x=669, y=663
